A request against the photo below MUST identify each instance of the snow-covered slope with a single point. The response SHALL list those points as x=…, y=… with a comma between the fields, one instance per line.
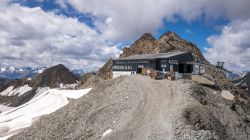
x=45, y=102
x=236, y=74
x=10, y=91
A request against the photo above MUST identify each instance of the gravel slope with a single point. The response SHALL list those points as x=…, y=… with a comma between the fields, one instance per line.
x=137, y=107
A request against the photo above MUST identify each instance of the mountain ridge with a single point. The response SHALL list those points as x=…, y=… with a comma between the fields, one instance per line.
x=28, y=72
x=169, y=41
x=19, y=91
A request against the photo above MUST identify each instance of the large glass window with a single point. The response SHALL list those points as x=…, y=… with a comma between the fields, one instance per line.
x=122, y=67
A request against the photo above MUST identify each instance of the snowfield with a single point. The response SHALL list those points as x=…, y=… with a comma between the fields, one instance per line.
x=17, y=91
x=46, y=102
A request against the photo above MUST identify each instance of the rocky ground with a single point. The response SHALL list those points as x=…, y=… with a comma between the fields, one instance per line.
x=248, y=82
x=137, y=107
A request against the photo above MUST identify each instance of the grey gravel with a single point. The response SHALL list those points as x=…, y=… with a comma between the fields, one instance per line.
x=140, y=108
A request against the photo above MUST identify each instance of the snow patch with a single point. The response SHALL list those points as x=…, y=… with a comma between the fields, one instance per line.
x=6, y=137
x=73, y=94
x=22, y=90
x=17, y=91
x=107, y=132
x=40, y=91
x=45, y=102
x=2, y=69
x=4, y=108
x=7, y=91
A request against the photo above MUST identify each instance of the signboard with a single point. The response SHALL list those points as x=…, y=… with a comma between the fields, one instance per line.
x=173, y=61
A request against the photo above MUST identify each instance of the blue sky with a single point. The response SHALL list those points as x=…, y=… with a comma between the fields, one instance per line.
x=84, y=34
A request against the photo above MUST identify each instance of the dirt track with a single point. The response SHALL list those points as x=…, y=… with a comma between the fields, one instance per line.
x=140, y=108
x=157, y=112
x=134, y=107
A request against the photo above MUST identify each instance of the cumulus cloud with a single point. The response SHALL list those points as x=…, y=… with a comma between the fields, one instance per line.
x=231, y=46
x=122, y=20
x=130, y=18
x=33, y=37
x=43, y=38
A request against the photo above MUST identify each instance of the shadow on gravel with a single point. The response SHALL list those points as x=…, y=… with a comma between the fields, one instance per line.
x=201, y=119
x=214, y=87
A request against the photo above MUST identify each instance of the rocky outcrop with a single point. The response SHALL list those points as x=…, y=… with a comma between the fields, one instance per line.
x=53, y=77
x=105, y=71
x=91, y=79
x=144, y=45
x=169, y=41
x=248, y=82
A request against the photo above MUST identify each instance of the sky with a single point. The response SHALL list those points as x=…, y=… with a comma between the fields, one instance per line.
x=84, y=34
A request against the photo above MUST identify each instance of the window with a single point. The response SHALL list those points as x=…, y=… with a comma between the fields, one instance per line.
x=122, y=67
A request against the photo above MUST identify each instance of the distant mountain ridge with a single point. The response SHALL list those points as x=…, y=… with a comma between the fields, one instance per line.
x=28, y=72
x=21, y=72
x=236, y=74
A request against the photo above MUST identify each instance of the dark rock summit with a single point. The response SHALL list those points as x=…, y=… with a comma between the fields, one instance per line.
x=51, y=77
x=54, y=76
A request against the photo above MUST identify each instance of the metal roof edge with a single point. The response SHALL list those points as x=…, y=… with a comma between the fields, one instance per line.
x=151, y=56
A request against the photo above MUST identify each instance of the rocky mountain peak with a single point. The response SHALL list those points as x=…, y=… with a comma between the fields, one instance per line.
x=54, y=76
x=169, y=41
x=147, y=36
x=145, y=44
x=169, y=36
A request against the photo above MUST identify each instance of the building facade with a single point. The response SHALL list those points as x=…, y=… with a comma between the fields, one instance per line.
x=179, y=62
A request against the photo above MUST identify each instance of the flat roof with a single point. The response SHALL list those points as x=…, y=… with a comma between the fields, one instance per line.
x=151, y=56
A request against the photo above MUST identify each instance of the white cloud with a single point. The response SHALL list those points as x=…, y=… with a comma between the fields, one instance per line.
x=37, y=37
x=131, y=18
x=33, y=37
x=122, y=20
x=231, y=46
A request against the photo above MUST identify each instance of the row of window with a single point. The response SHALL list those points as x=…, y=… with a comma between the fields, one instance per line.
x=164, y=61
x=122, y=67
x=131, y=61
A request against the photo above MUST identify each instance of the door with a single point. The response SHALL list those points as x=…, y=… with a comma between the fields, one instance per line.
x=158, y=64
x=139, y=70
x=181, y=68
x=171, y=67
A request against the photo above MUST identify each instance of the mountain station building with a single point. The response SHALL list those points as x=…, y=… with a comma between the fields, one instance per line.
x=178, y=62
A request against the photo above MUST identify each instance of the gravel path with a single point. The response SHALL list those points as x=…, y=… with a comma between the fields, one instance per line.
x=155, y=116
x=139, y=108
